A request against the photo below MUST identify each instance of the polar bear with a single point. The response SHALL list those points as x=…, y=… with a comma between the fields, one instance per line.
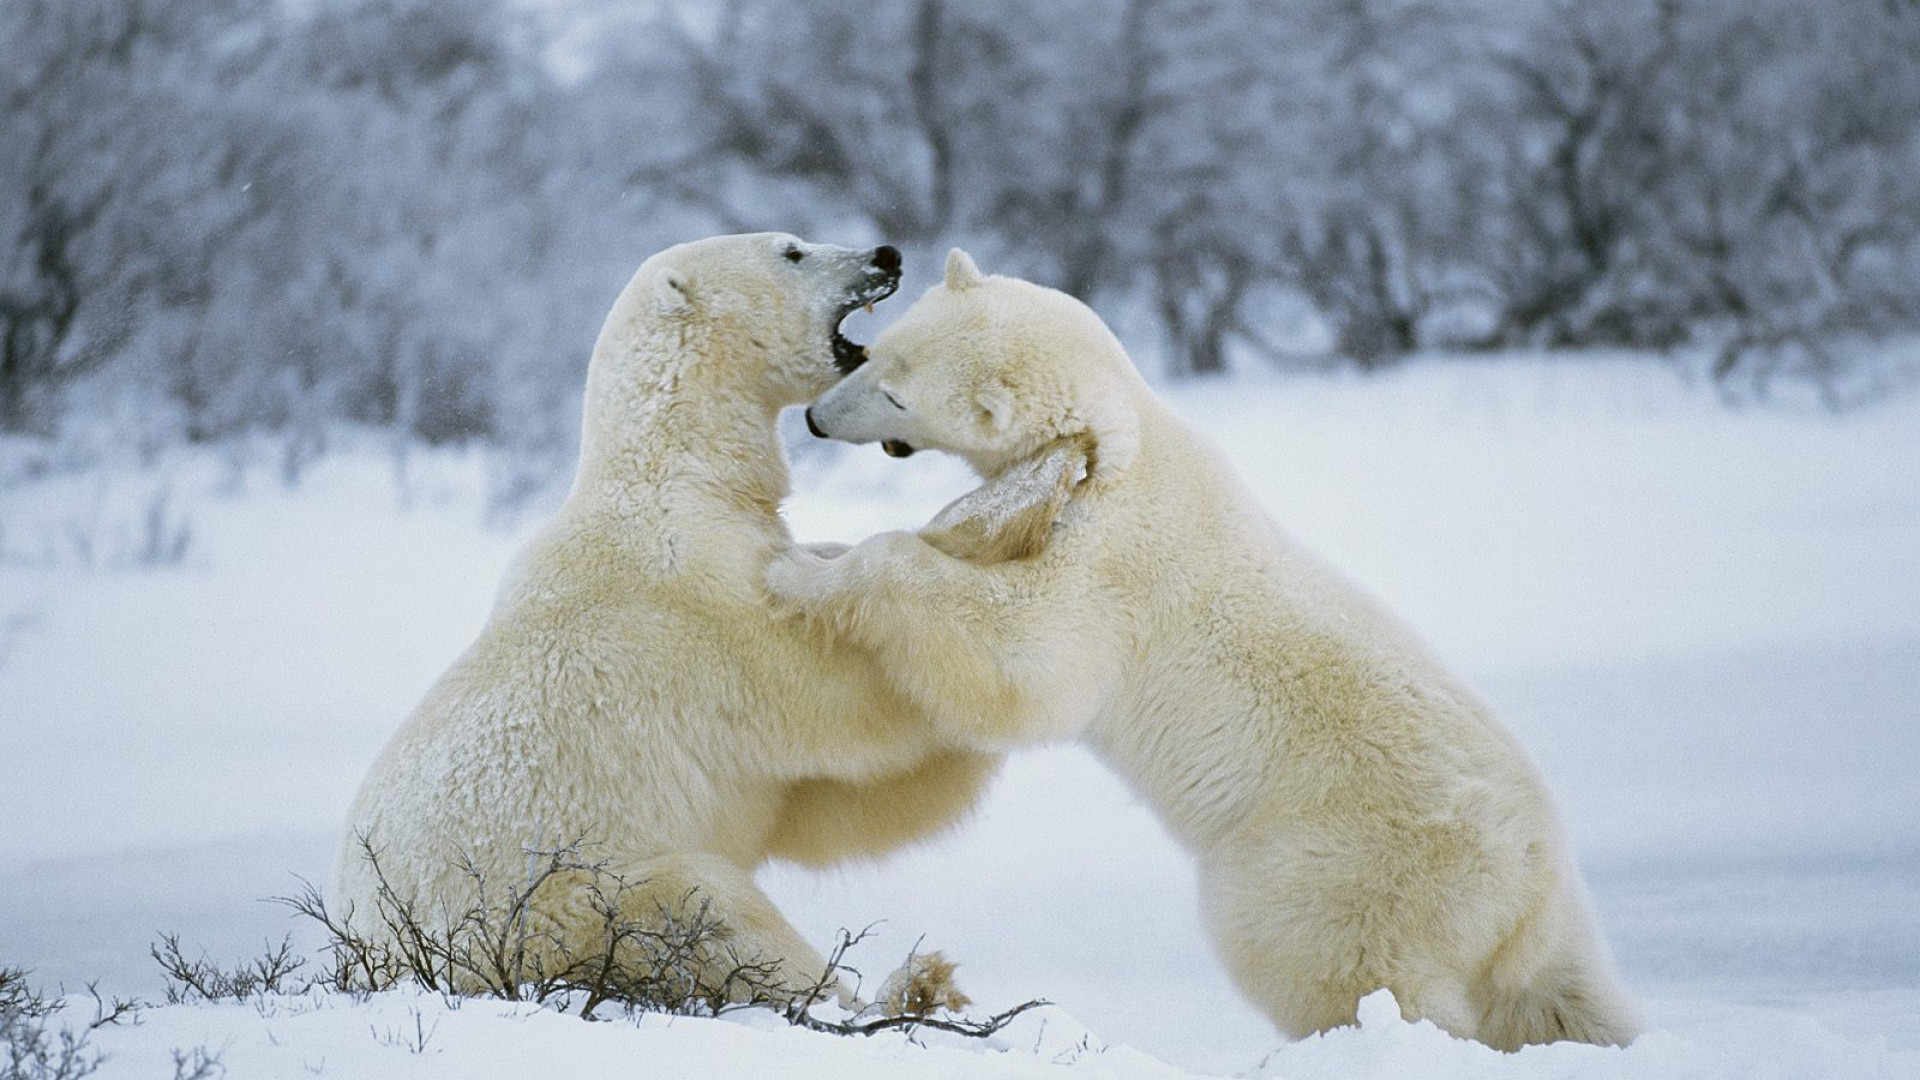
x=1359, y=819
x=632, y=686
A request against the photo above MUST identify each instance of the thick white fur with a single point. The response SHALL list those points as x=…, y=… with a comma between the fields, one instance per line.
x=1359, y=819
x=633, y=687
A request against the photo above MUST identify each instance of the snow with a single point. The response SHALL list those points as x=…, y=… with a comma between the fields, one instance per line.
x=402, y=1034
x=1704, y=625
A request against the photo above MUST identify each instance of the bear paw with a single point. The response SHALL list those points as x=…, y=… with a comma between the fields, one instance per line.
x=799, y=579
x=920, y=987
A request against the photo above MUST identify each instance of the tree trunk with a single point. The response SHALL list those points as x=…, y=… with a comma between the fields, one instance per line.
x=13, y=380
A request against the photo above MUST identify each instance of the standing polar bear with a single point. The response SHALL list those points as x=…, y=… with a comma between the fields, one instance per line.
x=633, y=686
x=1359, y=820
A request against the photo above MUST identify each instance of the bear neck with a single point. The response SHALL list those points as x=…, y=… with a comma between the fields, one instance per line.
x=668, y=429
x=1109, y=423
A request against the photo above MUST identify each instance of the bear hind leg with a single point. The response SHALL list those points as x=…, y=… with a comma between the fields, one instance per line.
x=1552, y=980
x=1441, y=999
x=1572, y=1003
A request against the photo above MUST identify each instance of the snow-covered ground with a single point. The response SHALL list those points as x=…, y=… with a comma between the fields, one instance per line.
x=1704, y=624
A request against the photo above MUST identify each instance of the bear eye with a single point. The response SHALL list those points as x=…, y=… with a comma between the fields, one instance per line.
x=794, y=254
x=893, y=401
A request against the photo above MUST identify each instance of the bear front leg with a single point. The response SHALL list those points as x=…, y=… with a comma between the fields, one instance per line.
x=824, y=821
x=1013, y=515
x=993, y=654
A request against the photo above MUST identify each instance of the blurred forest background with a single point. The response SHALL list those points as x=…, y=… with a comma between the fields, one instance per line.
x=223, y=217
x=297, y=297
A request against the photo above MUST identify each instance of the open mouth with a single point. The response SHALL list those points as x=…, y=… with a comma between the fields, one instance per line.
x=896, y=448
x=847, y=353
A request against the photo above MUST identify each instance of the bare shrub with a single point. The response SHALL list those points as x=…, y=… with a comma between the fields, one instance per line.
x=111, y=1010
x=17, y=998
x=111, y=530
x=677, y=959
x=163, y=534
x=415, y=1040
x=1760, y=363
x=38, y=1049
x=272, y=972
x=198, y=1063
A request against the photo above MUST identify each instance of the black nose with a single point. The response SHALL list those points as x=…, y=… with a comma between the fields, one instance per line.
x=813, y=427
x=887, y=257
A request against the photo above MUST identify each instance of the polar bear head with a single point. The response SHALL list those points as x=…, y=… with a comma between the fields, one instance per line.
x=767, y=306
x=993, y=369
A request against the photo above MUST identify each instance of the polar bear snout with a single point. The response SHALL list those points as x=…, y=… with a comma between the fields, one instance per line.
x=897, y=448
x=878, y=278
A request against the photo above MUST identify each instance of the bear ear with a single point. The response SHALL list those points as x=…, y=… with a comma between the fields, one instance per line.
x=996, y=401
x=961, y=272
x=672, y=291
